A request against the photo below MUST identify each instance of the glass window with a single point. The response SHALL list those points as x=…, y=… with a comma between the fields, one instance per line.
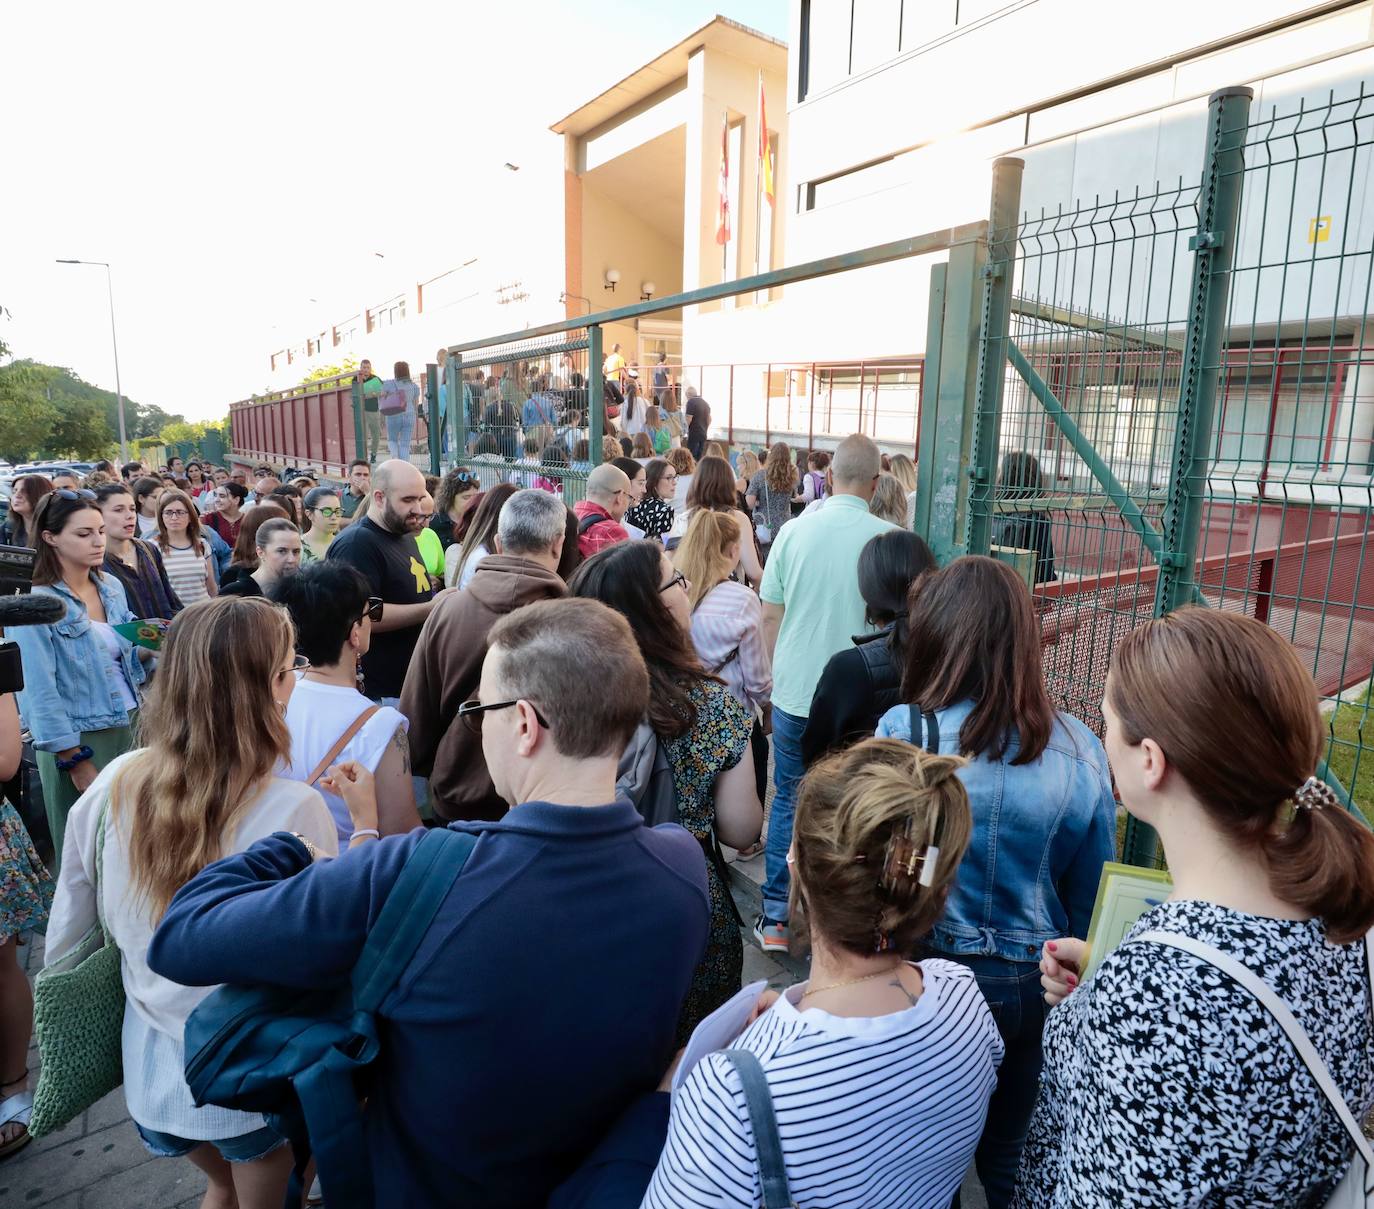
x=877, y=28
x=827, y=44
x=925, y=20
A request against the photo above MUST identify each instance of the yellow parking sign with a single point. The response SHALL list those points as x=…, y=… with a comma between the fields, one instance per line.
x=1319, y=229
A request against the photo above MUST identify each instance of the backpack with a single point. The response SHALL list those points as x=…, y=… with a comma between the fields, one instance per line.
x=817, y=483
x=393, y=398
x=294, y=1055
x=645, y=776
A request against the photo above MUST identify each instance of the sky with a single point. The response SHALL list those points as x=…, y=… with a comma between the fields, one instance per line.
x=240, y=166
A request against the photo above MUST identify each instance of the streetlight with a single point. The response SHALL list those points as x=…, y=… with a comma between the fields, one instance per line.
x=119, y=393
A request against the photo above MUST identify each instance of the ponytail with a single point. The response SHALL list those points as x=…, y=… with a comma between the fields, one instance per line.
x=1235, y=713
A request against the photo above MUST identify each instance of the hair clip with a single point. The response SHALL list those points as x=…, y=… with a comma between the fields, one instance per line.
x=1315, y=794
x=928, y=863
x=903, y=859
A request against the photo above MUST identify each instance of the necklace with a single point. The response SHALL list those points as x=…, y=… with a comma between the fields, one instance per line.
x=849, y=982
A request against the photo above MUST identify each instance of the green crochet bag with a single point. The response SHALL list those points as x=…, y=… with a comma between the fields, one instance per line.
x=78, y=1019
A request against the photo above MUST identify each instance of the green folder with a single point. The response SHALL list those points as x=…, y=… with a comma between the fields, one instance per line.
x=1124, y=894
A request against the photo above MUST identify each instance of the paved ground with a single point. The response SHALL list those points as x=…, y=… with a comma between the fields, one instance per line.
x=98, y=1161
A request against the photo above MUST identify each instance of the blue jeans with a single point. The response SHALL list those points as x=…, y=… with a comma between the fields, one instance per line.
x=246, y=1148
x=399, y=429
x=1012, y=989
x=787, y=772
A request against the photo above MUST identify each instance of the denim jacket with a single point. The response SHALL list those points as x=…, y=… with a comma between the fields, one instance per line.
x=1041, y=833
x=66, y=690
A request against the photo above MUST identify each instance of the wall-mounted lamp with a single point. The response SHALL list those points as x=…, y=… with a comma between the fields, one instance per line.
x=612, y=276
x=646, y=290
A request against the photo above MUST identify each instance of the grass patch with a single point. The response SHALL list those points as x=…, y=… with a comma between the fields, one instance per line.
x=1349, y=757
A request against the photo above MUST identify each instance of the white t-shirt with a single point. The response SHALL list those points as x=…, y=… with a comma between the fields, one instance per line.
x=114, y=669
x=316, y=716
x=470, y=567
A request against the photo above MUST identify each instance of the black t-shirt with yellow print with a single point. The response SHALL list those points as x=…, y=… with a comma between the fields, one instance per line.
x=391, y=564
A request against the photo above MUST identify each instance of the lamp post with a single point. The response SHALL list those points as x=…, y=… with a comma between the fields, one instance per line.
x=119, y=393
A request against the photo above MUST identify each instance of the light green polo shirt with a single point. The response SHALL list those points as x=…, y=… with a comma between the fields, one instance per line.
x=813, y=571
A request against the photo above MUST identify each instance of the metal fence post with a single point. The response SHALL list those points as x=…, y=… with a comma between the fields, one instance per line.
x=433, y=425
x=1213, y=246
x=596, y=403
x=930, y=380
x=992, y=357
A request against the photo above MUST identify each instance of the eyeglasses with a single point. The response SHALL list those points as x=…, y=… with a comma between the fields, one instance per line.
x=667, y=478
x=299, y=666
x=175, y=512
x=327, y=512
x=678, y=578
x=470, y=713
x=73, y=493
x=373, y=612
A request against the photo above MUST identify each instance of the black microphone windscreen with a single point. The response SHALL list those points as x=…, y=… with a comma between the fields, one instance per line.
x=30, y=610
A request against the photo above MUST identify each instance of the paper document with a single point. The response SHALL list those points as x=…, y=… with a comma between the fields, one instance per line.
x=719, y=1029
x=634, y=531
x=1124, y=894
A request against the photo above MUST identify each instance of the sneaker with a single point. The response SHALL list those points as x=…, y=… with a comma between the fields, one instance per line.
x=772, y=937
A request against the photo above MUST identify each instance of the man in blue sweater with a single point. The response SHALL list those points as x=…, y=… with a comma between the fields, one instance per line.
x=533, y=1012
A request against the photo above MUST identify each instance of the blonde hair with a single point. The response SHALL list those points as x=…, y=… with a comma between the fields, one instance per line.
x=889, y=500
x=681, y=460
x=748, y=465
x=182, y=796
x=714, y=449
x=611, y=449
x=867, y=819
x=904, y=471
x=704, y=555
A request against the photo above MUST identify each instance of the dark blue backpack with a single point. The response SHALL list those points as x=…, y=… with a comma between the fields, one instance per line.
x=293, y=1055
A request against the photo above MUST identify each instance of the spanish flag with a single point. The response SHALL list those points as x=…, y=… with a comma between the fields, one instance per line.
x=723, y=219
x=765, y=149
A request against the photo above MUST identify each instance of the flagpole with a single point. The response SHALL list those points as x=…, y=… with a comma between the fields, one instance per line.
x=758, y=184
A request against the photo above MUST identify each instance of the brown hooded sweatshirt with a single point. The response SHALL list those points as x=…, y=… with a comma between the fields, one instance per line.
x=445, y=671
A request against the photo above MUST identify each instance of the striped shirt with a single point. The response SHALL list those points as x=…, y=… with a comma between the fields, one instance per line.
x=883, y=1112
x=186, y=570
x=728, y=620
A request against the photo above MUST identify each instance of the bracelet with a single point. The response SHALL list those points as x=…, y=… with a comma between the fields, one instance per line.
x=311, y=850
x=83, y=753
x=365, y=833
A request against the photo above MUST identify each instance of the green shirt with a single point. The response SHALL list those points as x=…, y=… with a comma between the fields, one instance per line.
x=350, y=503
x=813, y=571
x=431, y=553
x=372, y=389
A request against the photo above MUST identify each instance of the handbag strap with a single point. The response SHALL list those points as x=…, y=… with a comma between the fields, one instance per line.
x=100, y=822
x=410, y=908
x=932, y=729
x=341, y=742
x=777, y=1193
x=1261, y=990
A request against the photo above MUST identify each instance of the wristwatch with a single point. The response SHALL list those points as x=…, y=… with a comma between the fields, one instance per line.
x=309, y=847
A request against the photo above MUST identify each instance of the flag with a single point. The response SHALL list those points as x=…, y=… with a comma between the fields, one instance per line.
x=723, y=221
x=765, y=149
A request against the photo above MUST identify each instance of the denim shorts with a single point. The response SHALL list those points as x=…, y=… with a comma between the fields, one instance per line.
x=243, y=1149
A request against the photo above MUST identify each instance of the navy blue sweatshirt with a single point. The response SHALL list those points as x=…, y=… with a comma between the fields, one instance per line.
x=540, y=1004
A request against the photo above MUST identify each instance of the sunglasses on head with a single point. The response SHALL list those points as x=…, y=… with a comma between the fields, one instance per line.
x=73, y=493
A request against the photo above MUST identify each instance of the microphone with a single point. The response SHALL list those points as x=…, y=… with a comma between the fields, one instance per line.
x=30, y=610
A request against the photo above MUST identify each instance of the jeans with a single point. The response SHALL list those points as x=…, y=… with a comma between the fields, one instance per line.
x=246, y=1148
x=787, y=772
x=399, y=429
x=372, y=424
x=1012, y=989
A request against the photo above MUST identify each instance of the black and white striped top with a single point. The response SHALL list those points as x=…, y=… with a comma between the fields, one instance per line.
x=878, y=1111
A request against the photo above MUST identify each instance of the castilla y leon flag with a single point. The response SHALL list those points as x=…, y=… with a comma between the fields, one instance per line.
x=765, y=149
x=723, y=221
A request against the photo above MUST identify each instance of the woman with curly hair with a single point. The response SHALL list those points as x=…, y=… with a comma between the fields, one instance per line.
x=770, y=495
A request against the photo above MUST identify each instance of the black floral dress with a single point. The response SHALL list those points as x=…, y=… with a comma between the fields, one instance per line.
x=653, y=515
x=715, y=744
x=1167, y=1084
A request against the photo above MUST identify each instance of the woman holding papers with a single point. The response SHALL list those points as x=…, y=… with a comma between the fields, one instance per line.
x=1044, y=818
x=1168, y=1077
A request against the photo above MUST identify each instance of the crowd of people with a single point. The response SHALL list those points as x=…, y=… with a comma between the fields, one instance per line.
x=600, y=694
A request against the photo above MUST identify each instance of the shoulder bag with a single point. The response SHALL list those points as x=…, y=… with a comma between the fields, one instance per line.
x=78, y=1019
x=1356, y=1189
x=761, y=527
x=340, y=743
x=777, y=1193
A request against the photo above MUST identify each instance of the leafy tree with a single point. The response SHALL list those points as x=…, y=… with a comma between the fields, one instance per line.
x=346, y=366
x=180, y=430
x=81, y=431
x=26, y=414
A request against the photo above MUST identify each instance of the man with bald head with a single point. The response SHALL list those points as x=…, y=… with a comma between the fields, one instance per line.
x=382, y=546
x=599, y=515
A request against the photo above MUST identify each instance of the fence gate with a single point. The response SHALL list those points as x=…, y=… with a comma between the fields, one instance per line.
x=1172, y=407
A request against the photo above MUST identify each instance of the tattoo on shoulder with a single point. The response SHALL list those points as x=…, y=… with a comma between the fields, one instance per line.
x=911, y=999
x=402, y=744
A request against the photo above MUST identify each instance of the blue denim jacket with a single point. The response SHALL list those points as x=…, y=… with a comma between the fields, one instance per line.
x=66, y=690
x=1041, y=833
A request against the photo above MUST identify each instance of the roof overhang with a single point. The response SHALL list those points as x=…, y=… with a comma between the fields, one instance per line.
x=720, y=33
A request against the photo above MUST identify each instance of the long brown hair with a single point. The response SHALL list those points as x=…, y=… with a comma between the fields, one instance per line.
x=779, y=471
x=713, y=486
x=164, y=539
x=703, y=554
x=246, y=544
x=1235, y=713
x=53, y=514
x=33, y=487
x=855, y=810
x=972, y=635
x=182, y=796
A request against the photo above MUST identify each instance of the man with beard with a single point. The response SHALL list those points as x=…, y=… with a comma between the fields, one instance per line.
x=382, y=546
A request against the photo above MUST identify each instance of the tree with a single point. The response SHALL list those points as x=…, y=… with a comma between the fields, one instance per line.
x=26, y=414
x=346, y=366
x=81, y=431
